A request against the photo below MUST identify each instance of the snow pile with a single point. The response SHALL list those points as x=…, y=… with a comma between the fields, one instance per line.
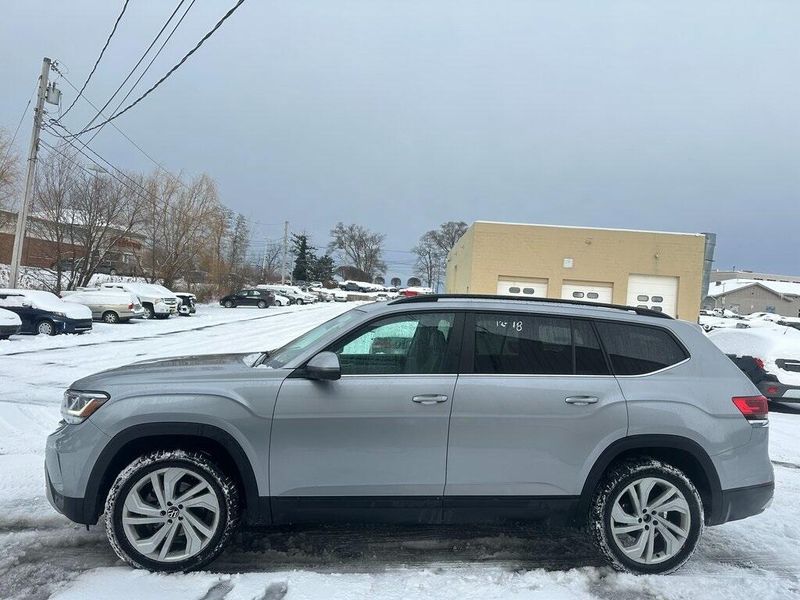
x=769, y=342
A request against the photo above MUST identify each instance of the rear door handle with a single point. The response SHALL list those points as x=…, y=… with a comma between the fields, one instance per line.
x=429, y=398
x=581, y=400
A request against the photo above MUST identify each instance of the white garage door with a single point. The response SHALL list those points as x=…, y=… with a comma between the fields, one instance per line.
x=536, y=288
x=654, y=291
x=587, y=291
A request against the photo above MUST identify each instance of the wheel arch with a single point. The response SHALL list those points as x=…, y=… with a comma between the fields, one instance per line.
x=680, y=452
x=138, y=439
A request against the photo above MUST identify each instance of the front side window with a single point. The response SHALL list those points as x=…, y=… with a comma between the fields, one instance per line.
x=637, y=349
x=407, y=344
x=508, y=344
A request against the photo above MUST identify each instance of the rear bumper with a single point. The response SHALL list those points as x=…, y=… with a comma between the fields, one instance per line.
x=6, y=330
x=740, y=503
x=779, y=392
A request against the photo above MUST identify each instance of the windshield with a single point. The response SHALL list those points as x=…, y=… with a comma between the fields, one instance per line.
x=283, y=355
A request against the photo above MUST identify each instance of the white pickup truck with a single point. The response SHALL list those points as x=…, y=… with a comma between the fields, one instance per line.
x=158, y=302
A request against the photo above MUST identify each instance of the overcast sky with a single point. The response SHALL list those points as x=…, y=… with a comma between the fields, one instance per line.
x=681, y=116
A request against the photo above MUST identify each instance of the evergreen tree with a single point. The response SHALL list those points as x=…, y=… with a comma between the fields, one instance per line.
x=305, y=258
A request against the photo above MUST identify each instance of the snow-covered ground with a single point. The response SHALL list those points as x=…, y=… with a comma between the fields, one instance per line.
x=43, y=555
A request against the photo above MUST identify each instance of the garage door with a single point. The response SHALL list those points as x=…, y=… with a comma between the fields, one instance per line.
x=587, y=291
x=654, y=291
x=536, y=288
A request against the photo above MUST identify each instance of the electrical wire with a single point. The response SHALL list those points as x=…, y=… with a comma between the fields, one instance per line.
x=169, y=73
x=97, y=62
x=136, y=66
x=16, y=131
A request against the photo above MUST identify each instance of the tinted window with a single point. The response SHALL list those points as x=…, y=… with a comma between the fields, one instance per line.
x=589, y=359
x=634, y=349
x=522, y=344
x=403, y=344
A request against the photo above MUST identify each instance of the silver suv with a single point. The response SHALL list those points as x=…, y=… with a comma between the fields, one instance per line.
x=431, y=409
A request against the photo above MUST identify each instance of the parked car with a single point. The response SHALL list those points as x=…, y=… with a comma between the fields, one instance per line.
x=108, y=305
x=45, y=313
x=249, y=297
x=339, y=295
x=188, y=304
x=639, y=427
x=281, y=300
x=775, y=348
x=10, y=323
x=295, y=295
x=158, y=302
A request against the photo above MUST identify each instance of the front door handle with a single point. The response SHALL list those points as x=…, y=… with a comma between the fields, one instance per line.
x=581, y=400
x=429, y=398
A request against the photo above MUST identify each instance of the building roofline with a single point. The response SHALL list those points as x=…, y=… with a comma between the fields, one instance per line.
x=587, y=228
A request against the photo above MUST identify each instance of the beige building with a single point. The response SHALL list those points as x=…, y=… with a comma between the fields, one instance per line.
x=652, y=269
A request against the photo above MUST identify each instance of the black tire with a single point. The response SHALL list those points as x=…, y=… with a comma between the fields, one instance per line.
x=299, y=302
x=223, y=487
x=229, y=304
x=45, y=327
x=614, y=483
x=162, y=316
x=110, y=317
x=262, y=304
x=148, y=313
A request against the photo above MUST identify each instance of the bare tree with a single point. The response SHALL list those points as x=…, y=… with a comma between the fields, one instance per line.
x=54, y=220
x=107, y=212
x=358, y=247
x=270, y=261
x=448, y=234
x=9, y=172
x=429, y=259
x=178, y=222
x=237, y=251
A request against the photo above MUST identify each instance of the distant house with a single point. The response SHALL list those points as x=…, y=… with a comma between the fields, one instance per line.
x=41, y=250
x=745, y=296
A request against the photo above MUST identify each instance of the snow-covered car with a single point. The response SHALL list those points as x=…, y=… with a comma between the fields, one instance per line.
x=295, y=294
x=110, y=306
x=10, y=323
x=339, y=295
x=281, y=300
x=45, y=313
x=324, y=295
x=776, y=347
x=158, y=302
x=188, y=304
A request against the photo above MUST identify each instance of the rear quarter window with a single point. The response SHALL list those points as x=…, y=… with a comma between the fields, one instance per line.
x=638, y=349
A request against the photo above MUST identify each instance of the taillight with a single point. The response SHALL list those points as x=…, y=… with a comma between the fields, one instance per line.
x=773, y=389
x=759, y=362
x=130, y=306
x=753, y=408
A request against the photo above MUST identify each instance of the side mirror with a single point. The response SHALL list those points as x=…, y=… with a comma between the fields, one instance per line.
x=26, y=304
x=324, y=366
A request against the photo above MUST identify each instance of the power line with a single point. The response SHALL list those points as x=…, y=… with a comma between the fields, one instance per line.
x=97, y=62
x=133, y=70
x=169, y=73
x=120, y=131
x=16, y=131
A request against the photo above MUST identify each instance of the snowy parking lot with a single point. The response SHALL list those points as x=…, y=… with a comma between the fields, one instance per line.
x=42, y=554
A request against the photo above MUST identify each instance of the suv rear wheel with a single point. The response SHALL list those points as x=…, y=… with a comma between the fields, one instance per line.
x=171, y=511
x=646, y=517
x=110, y=317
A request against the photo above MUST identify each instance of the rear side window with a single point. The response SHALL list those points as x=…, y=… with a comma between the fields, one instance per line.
x=636, y=350
x=518, y=344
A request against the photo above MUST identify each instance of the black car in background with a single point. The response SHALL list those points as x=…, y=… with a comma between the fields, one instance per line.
x=249, y=297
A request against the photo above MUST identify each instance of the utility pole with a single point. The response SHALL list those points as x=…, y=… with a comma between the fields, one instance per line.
x=22, y=215
x=285, y=251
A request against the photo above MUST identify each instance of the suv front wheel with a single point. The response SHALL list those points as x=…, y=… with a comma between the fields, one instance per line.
x=646, y=517
x=171, y=511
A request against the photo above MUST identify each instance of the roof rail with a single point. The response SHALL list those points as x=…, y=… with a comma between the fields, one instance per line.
x=422, y=298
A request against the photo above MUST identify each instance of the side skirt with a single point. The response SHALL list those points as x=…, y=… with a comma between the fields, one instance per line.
x=419, y=510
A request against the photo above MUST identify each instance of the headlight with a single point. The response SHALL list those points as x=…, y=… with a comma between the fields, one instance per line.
x=59, y=314
x=78, y=406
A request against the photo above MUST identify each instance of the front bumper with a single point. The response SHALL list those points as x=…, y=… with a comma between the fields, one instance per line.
x=72, y=508
x=740, y=503
x=779, y=392
x=73, y=325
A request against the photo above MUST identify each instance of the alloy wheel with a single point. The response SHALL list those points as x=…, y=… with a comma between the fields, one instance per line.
x=171, y=514
x=650, y=520
x=45, y=328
